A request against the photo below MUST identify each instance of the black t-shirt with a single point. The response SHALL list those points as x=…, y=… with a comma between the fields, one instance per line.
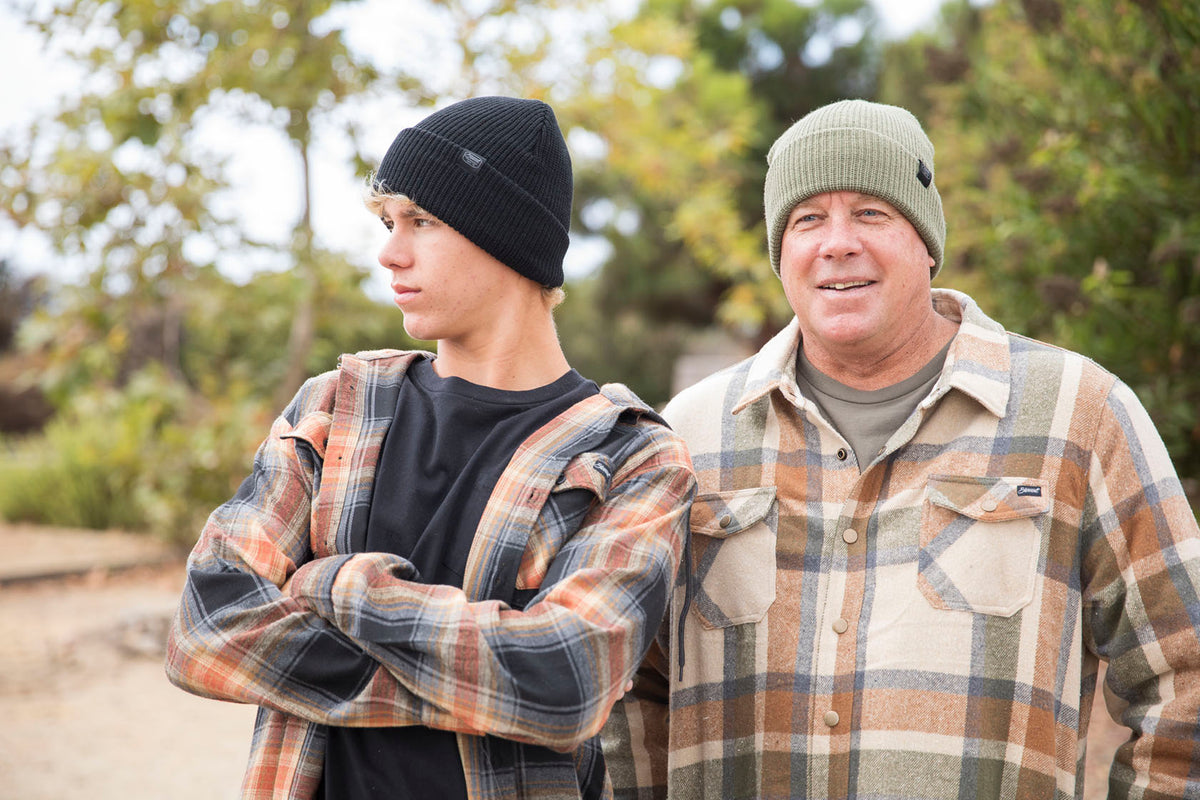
x=448, y=444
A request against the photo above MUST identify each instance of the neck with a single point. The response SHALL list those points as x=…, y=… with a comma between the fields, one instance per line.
x=870, y=369
x=520, y=356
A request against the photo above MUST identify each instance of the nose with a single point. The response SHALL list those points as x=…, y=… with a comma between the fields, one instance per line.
x=841, y=237
x=396, y=252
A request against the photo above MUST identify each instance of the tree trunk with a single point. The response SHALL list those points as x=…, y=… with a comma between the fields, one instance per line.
x=304, y=319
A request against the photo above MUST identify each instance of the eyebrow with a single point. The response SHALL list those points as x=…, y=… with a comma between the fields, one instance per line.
x=414, y=210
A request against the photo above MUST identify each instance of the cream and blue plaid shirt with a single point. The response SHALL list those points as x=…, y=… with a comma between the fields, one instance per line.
x=927, y=626
x=569, y=574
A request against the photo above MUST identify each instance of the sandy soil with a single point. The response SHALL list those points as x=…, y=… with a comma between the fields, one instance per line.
x=87, y=711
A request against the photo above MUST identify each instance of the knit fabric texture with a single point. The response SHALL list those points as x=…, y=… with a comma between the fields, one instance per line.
x=858, y=146
x=497, y=170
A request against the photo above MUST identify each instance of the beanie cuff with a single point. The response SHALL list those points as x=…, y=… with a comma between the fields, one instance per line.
x=463, y=190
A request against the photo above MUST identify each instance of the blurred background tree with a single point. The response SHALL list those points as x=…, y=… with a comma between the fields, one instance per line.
x=1068, y=143
x=1067, y=155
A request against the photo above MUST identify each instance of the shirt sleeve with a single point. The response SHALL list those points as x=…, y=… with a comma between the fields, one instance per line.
x=550, y=673
x=236, y=636
x=1141, y=576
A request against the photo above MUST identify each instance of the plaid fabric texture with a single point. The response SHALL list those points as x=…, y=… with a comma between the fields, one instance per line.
x=584, y=531
x=927, y=627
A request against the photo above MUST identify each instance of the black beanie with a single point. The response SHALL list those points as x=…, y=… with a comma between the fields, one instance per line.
x=496, y=169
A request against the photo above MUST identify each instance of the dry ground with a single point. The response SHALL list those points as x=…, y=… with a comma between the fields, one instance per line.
x=87, y=712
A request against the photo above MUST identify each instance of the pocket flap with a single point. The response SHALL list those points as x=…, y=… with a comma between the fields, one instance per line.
x=589, y=471
x=314, y=429
x=722, y=514
x=990, y=499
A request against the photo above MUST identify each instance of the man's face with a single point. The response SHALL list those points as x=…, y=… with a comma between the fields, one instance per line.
x=856, y=272
x=449, y=289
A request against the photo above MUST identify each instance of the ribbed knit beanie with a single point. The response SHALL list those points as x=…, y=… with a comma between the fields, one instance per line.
x=858, y=146
x=496, y=169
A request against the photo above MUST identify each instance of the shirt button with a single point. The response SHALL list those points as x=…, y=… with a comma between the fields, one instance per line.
x=989, y=504
x=831, y=718
x=840, y=626
x=850, y=535
x=725, y=521
x=841, y=454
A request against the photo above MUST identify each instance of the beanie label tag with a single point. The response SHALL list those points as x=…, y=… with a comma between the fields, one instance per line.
x=472, y=160
x=923, y=174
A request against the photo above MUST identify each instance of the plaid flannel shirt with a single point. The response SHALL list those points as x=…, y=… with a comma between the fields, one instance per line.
x=927, y=627
x=571, y=569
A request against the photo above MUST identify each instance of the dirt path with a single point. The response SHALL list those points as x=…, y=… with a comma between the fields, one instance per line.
x=85, y=710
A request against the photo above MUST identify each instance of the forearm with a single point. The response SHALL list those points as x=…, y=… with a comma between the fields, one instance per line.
x=236, y=636
x=547, y=675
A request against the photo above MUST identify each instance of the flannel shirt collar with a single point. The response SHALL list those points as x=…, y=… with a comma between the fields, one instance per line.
x=978, y=363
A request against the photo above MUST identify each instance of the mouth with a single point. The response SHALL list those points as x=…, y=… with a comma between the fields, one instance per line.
x=844, y=286
x=402, y=293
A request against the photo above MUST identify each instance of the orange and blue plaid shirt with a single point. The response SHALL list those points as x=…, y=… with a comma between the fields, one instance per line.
x=927, y=626
x=571, y=569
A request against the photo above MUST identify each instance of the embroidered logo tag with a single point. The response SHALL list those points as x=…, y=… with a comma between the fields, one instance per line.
x=472, y=160
x=1029, y=491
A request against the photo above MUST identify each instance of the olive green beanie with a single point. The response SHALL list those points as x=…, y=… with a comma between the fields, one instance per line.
x=857, y=146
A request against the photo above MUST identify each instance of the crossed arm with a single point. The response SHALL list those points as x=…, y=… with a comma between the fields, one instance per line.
x=354, y=641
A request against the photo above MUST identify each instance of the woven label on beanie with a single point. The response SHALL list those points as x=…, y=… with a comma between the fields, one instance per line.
x=475, y=161
x=923, y=174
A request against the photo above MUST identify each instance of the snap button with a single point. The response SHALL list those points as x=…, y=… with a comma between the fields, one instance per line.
x=561, y=479
x=840, y=626
x=831, y=718
x=725, y=521
x=850, y=535
x=842, y=454
x=989, y=504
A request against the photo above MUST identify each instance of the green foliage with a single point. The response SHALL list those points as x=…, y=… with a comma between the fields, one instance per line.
x=148, y=457
x=678, y=189
x=1069, y=164
x=624, y=347
x=1067, y=157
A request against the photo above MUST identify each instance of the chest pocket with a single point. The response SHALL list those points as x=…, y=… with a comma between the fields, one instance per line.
x=980, y=542
x=733, y=552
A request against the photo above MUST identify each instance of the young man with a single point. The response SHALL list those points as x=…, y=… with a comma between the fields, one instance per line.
x=444, y=569
x=916, y=534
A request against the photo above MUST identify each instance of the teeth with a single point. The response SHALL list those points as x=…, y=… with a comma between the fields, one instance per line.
x=850, y=285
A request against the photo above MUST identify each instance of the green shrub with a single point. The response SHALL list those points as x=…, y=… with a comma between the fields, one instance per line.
x=149, y=457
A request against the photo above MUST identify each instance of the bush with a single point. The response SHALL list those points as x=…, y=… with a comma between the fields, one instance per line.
x=148, y=457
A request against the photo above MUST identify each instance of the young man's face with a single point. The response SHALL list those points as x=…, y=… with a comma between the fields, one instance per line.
x=448, y=288
x=856, y=272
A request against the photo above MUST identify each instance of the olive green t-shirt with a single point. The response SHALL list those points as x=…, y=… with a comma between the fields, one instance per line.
x=867, y=418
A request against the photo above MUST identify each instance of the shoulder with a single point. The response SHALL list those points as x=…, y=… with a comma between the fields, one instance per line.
x=638, y=428
x=1043, y=364
x=709, y=398
x=366, y=368
x=996, y=354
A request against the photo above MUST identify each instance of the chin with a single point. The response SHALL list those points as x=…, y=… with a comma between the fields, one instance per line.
x=419, y=330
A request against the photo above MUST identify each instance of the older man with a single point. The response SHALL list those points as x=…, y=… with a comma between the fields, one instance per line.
x=917, y=534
